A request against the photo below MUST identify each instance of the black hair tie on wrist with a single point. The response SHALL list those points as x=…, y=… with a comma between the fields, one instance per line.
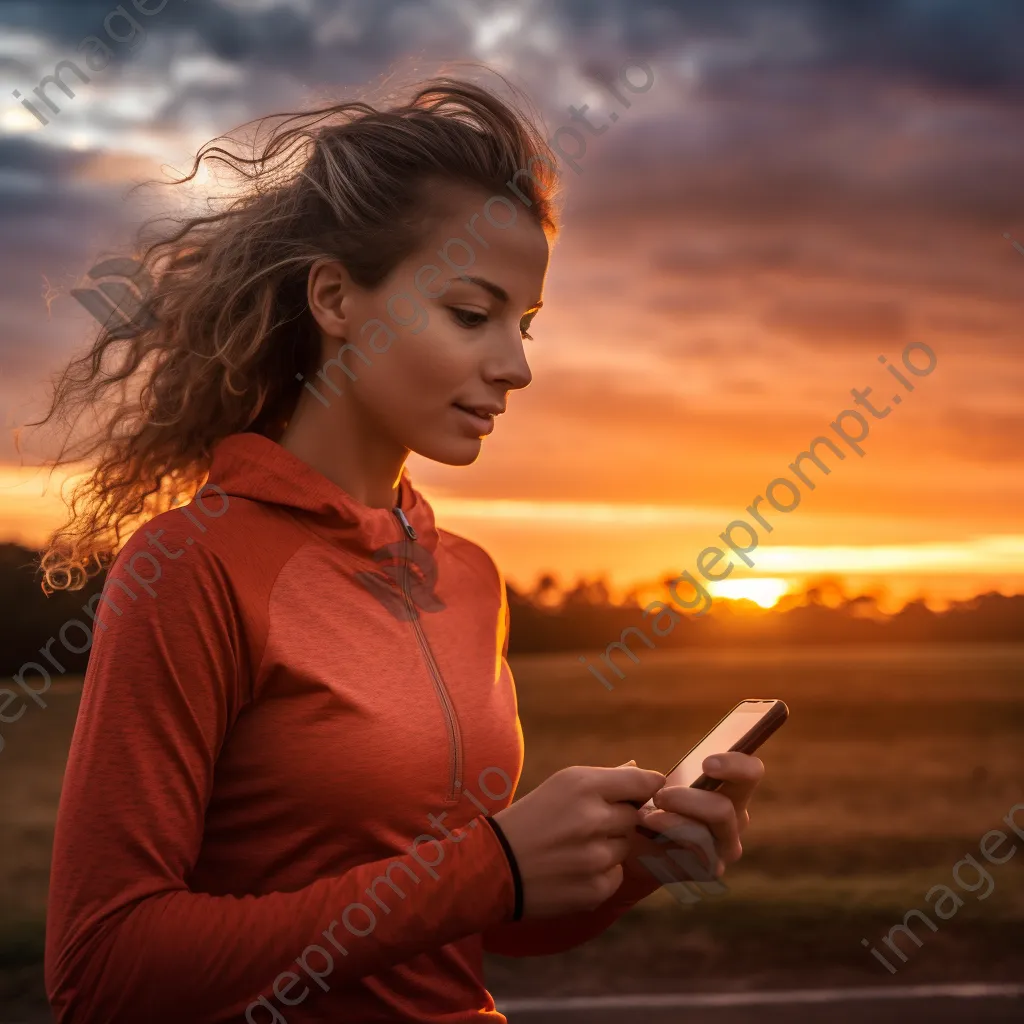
x=517, y=878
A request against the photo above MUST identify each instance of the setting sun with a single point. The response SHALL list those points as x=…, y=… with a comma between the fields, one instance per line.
x=764, y=592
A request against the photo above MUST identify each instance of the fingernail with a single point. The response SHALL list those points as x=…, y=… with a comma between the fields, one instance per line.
x=713, y=763
x=628, y=763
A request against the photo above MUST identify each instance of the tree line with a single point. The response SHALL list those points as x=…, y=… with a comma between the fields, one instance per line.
x=582, y=618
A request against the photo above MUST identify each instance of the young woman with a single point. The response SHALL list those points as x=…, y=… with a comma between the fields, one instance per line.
x=289, y=792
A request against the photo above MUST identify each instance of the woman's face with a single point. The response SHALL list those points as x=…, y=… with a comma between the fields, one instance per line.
x=443, y=334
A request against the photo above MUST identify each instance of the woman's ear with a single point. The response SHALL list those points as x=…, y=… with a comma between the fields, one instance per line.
x=327, y=287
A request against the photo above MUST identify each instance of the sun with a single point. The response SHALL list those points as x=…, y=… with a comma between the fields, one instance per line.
x=764, y=592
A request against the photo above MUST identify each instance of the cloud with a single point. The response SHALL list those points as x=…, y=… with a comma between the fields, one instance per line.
x=975, y=48
x=983, y=435
x=804, y=176
x=832, y=320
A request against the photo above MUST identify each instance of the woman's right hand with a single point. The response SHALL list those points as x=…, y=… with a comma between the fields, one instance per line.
x=571, y=834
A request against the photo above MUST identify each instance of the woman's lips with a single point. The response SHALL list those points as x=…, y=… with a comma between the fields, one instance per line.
x=481, y=424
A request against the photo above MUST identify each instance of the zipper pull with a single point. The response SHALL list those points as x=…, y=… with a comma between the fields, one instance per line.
x=406, y=525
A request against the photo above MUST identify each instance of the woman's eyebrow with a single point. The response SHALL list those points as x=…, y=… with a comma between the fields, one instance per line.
x=488, y=286
x=495, y=289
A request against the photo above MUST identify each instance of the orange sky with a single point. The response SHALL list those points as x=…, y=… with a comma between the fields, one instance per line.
x=663, y=403
x=737, y=253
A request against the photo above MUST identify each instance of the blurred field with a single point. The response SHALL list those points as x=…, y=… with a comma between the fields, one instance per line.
x=894, y=764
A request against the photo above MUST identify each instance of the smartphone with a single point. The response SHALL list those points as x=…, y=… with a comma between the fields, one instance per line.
x=743, y=729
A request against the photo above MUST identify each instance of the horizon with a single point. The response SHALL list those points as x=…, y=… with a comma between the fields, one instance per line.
x=528, y=540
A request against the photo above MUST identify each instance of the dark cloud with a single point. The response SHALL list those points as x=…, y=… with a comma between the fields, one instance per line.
x=68, y=22
x=41, y=189
x=975, y=47
x=284, y=37
x=867, y=146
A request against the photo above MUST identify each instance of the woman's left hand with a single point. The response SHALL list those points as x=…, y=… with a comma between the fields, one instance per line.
x=720, y=816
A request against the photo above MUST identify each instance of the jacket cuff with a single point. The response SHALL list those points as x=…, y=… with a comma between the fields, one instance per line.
x=513, y=865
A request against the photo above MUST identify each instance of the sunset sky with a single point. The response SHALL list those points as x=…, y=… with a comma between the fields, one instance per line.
x=806, y=187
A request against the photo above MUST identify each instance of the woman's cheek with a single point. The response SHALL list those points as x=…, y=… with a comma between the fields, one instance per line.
x=409, y=316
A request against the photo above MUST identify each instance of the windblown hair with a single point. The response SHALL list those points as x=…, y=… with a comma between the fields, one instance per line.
x=225, y=327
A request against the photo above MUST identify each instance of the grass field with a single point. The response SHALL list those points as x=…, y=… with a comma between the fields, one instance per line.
x=894, y=764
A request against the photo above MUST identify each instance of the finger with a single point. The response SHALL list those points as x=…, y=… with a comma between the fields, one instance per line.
x=616, y=848
x=713, y=809
x=740, y=774
x=732, y=766
x=610, y=881
x=605, y=819
x=686, y=834
x=615, y=784
x=621, y=819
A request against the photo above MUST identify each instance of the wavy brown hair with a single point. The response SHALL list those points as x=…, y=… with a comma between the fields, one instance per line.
x=224, y=329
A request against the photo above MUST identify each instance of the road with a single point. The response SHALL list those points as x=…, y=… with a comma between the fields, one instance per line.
x=935, y=1004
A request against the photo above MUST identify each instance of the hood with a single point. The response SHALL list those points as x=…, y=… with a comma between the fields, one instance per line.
x=253, y=467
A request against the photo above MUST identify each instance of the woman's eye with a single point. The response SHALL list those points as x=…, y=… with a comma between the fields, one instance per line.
x=524, y=326
x=469, y=317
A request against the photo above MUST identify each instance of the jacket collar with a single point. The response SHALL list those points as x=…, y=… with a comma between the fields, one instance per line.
x=249, y=465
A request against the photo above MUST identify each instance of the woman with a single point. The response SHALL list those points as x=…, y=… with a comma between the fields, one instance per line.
x=288, y=796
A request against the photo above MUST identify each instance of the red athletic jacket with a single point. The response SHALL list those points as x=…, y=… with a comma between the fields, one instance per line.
x=297, y=719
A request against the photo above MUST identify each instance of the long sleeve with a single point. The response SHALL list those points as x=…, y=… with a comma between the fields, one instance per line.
x=127, y=940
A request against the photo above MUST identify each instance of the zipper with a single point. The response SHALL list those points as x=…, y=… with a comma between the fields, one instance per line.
x=451, y=722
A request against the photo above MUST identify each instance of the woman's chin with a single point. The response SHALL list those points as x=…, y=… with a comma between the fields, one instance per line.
x=453, y=451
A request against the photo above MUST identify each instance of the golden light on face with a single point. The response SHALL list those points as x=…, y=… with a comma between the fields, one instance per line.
x=439, y=343
x=765, y=593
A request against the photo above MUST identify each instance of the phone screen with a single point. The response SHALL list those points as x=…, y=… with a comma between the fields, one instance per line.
x=729, y=731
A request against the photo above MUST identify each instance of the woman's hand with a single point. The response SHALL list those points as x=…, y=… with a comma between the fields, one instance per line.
x=571, y=834
x=708, y=823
